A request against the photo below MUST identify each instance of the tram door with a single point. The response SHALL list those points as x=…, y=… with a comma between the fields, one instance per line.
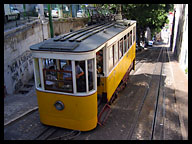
x=100, y=73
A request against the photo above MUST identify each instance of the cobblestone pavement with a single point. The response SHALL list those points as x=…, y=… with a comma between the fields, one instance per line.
x=17, y=104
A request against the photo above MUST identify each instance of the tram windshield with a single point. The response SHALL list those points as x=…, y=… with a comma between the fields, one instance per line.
x=58, y=75
x=67, y=75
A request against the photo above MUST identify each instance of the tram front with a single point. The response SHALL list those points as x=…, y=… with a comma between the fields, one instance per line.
x=65, y=86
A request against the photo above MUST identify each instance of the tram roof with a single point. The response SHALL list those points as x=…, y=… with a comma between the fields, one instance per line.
x=83, y=40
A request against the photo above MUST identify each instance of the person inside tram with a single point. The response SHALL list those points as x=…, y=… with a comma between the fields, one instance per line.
x=68, y=75
x=99, y=56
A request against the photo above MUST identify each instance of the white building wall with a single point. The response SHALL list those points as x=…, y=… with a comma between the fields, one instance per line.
x=180, y=39
x=148, y=34
x=183, y=58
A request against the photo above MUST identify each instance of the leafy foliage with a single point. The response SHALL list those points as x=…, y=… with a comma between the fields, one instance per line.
x=153, y=16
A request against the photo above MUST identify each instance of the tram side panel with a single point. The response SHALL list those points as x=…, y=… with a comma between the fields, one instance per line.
x=115, y=77
x=101, y=88
x=79, y=113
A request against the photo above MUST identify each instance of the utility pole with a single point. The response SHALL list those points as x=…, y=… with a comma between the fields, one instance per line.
x=71, y=9
x=24, y=10
x=50, y=21
x=41, y=12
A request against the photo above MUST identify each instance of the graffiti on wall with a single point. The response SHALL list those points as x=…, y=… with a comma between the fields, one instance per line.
x=19, y=68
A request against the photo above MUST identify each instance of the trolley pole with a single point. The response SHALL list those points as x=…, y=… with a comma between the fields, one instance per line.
x=50, y=21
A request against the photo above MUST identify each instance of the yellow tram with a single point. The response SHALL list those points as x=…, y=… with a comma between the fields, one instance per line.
x=77, y=71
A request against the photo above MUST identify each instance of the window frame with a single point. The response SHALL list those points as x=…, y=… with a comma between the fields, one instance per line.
x=131, y=37
x=92, y=73
x=85, y=74
x=120, y=42
x=57, y=70
x=134, y=34
x=125, y=44
x=37, y=76
x=116, y=54
x=74, y=87
x=45, y=70
x=109, y=51
x=128, y=43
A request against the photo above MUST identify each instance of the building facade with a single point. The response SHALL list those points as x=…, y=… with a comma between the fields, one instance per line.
x=179, y=40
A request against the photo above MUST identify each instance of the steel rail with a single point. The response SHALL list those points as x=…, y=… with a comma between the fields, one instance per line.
x=157, y=97
x=142, y=103
x=139, y=61
x=70, y=135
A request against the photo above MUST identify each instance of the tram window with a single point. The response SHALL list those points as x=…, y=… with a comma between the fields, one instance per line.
x=121, y=48
x=130, y=38
x=58, y=75
x=63, y=63
x=80, y=76
x=99, y=57
x=128, y=43
x=90, y=73
x=49, y=63
x=125, y=44
x=134, y=34
x=115, y=54
x=111, y=57
x=37, y=73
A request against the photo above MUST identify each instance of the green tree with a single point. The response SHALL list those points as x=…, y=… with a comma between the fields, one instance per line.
x=153, y=16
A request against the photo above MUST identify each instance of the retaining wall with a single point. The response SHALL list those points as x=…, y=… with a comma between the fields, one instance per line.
x=18, y=65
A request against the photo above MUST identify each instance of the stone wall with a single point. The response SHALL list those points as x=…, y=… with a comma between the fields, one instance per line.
x=18, y=65
x=65, y=25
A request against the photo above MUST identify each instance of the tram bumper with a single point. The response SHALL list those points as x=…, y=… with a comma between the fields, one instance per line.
x=79, y=113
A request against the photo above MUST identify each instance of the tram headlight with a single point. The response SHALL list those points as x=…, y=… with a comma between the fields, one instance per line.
x=59, y=105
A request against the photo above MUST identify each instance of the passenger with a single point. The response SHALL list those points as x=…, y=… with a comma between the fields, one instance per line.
x=99, y=62
x=67, y=75
x=79, y=71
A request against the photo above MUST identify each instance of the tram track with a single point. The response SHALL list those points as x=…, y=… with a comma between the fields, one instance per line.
x=49, y=132
x=66, y=136
x=157, y=98
x=141, y=59
x=20, y=117
x=136, y=119
x=45, y=132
